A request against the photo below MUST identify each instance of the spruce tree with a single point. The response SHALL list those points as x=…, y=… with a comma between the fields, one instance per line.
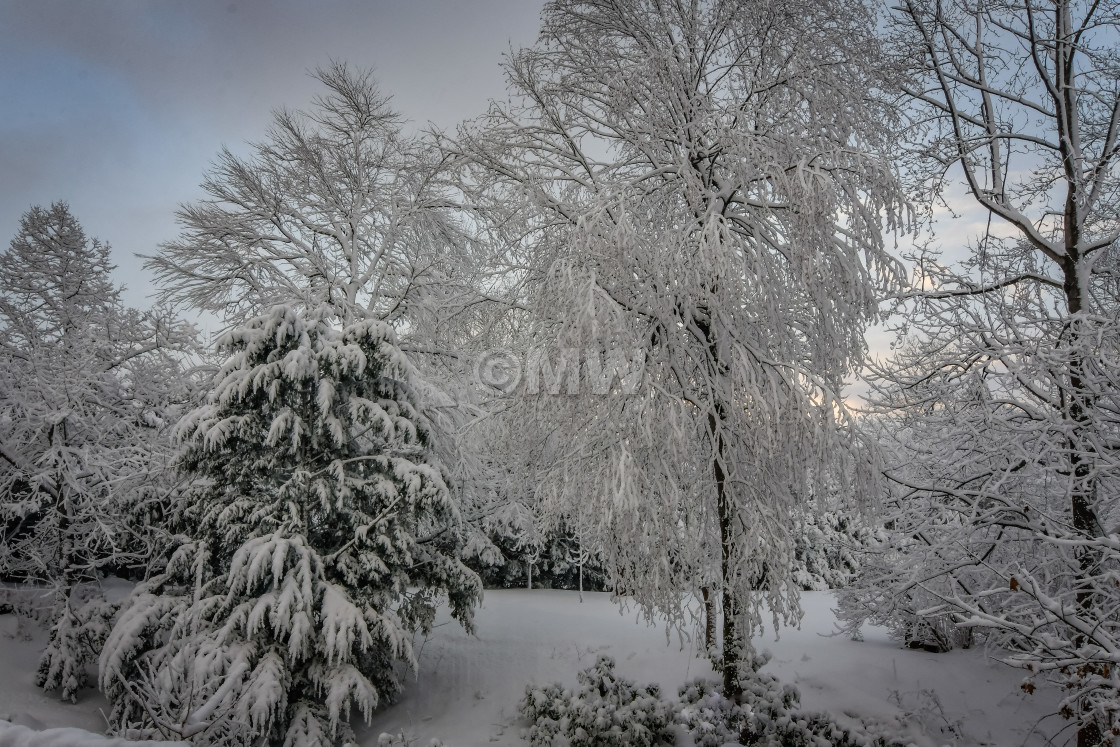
x=317, y=536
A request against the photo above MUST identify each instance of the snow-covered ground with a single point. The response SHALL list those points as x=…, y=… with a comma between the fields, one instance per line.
x=25, y=704
x=467, y=688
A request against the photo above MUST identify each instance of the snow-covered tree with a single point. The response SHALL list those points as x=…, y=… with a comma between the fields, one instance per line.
x=318, y=534
x=84, y=451
x=338, y=206
x=701, y=185
x=828, y=545
x=1003, y=399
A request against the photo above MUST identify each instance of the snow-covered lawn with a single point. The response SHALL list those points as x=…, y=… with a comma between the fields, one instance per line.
x=467, y=688
x=21, y=701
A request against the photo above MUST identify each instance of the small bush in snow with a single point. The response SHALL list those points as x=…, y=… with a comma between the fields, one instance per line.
x=607, y=711
x=768, y=716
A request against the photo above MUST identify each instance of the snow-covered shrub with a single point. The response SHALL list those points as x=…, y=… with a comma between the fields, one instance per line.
x=17, y=735
x=769, y=715
x=607, y=711
x=76, y=638
x=317, y=534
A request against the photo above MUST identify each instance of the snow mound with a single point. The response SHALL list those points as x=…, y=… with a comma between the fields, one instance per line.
x=15, y=735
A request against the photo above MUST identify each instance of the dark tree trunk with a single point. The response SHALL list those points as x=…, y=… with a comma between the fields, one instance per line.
x=709, y=620
x=1079, y=403
x=732, y=636
x=725, y=510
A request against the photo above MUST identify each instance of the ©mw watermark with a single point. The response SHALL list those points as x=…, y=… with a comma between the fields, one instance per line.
x=561, y=371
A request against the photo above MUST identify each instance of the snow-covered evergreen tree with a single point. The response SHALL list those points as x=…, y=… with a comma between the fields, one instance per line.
x=337, y=205
x=84, y=452
x=318, y=534
x=827, y=548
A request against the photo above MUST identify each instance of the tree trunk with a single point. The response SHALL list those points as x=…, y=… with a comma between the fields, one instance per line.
x=732, y=636
x=709, y=620
x=725, y=510
x=1082, y=454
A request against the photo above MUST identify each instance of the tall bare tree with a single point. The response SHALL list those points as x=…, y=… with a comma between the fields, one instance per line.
x=336, y=206
x=1004, y=397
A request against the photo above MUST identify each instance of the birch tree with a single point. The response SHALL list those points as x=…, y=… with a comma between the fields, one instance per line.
x=1003, y=398
x=699, y=183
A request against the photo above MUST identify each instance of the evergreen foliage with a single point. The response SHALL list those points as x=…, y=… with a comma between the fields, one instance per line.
x=316, y=536
x=827, y=548
x=555, y=564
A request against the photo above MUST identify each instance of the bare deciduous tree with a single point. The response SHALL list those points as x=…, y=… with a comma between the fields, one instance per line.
x=88, y=389
x=1004, y=397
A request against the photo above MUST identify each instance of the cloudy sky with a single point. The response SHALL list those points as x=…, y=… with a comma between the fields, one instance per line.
x=118, y=107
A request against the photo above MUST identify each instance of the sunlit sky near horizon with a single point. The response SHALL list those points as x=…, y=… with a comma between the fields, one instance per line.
x=118, y=107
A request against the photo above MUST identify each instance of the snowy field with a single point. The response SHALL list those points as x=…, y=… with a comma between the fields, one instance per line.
x=467, y=688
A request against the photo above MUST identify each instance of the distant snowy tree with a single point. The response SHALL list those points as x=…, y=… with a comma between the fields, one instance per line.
x=828, y=545
x=559, y=557
x=702, y=185
x=318, y=535
x=1002, y=404
x=83, y=423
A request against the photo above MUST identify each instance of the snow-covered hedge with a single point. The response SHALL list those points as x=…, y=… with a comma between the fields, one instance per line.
x=610, y=711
